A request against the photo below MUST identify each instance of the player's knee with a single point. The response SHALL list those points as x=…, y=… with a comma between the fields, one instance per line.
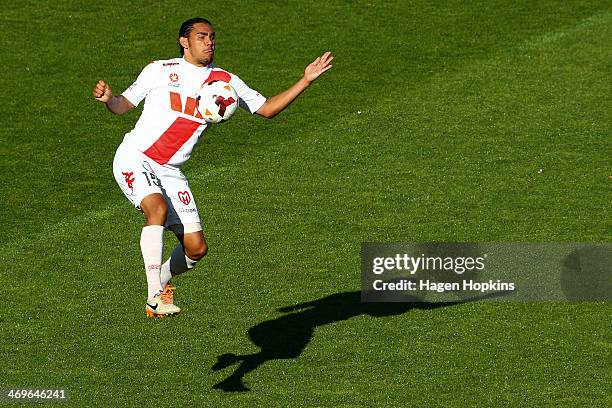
x=198, y=251
x=157, y=214
x=155, y=209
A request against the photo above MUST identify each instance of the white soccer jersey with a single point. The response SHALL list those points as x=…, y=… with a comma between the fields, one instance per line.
x=170, y=125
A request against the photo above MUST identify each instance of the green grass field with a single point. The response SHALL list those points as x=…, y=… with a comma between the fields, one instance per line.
x=471, y=121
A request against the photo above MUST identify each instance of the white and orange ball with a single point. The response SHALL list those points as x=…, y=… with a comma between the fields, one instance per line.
x=217, y=101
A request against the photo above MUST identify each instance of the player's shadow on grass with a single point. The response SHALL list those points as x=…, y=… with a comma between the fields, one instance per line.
x=287, y=336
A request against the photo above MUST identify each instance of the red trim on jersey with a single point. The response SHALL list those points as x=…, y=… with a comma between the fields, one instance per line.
x=218, y=75
x=172, y=140
x=190, y=106
x=175, y=102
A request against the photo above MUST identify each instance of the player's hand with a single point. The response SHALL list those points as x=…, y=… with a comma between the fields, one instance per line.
x=318, y=66
x=102, y=92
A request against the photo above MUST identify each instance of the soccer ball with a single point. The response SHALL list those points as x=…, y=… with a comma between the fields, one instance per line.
x=217, y=101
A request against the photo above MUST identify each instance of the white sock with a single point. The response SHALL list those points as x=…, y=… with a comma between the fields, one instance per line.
x=176, y=264
x=152, y=247
x=165, y=274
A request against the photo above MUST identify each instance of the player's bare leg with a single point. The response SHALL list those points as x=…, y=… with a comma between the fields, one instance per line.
x=155, y=209
x=185, y=256
x=194, y=244
x=191, y=248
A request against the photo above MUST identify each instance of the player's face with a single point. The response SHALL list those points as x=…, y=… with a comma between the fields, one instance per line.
x=200, y=48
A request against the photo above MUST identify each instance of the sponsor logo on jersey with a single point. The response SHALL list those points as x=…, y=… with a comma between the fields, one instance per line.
x=174, y=80
x=169, y=64
x=184, y=197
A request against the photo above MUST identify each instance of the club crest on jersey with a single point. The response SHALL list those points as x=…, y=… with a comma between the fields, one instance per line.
x=184, y=197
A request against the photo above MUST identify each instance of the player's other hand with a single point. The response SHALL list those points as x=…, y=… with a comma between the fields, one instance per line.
x=102, y=92
x=318, y=66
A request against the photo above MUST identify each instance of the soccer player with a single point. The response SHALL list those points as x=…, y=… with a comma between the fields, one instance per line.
x=147, y=163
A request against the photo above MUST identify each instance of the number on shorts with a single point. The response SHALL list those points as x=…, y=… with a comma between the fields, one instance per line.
x=152, y=179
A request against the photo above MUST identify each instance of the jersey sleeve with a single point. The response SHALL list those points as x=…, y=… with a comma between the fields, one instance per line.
x=250, y=99
x=142, y=86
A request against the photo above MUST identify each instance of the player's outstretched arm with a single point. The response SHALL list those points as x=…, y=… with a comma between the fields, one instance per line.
x=116, y=104
x=274, y=105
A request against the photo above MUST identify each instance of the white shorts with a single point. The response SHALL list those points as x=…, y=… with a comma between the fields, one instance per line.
x=139, y=176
